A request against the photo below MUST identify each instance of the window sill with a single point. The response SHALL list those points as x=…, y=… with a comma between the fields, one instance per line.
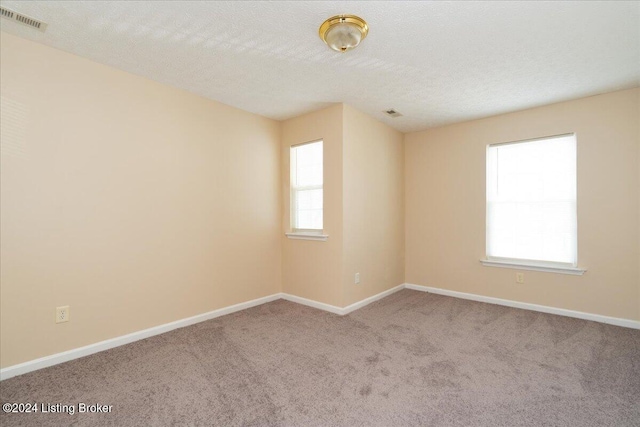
x=307, y=236
x=523, y=265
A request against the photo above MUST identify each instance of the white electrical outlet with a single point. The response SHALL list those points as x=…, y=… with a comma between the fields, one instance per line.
x=519, y=277
x=357, y=279
x=62, y=314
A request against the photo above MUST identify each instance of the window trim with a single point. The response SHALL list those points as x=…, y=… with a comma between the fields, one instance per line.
x=299, y=235
x=522, y=263
x=521, y=141
x=304, y=233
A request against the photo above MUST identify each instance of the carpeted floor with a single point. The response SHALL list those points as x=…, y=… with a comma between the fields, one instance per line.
x=410, y=359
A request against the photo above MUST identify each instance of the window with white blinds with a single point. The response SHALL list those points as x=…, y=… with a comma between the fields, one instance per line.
x=531, y=201
x=306, y=187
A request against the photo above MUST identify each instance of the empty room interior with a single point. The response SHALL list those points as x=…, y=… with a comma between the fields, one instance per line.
x=320, y=213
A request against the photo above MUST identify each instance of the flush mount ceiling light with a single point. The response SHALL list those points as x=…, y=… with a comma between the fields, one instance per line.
x=343, y=32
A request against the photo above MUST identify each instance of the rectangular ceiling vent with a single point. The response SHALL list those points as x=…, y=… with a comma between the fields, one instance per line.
x=392, y=113
x=22, y=19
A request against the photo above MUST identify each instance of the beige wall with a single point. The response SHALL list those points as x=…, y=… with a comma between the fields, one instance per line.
x=135, y=203
x=445, y=206
x=313, y=269
x=373, y=209
x=363, y=209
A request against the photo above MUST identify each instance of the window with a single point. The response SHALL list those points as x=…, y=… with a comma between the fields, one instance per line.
x=531, y=204
x=306, y=188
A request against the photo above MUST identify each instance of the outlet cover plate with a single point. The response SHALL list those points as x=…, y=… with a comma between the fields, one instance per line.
x=62, y=314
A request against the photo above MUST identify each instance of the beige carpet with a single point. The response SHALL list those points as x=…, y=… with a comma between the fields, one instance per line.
x=410, y=359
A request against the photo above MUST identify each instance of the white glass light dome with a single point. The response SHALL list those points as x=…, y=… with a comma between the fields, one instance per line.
x=343, y=32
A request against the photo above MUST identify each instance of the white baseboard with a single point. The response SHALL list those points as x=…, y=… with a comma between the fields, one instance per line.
x=627, y=323
x=76, y=353
x=355, y=306
x=340, y=310
x=54, y=359
x=311, y=303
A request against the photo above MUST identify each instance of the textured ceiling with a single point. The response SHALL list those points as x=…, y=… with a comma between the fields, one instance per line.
x=435, y=62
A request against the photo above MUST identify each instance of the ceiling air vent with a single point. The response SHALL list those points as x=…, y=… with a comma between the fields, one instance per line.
x=22, y=19
x=392, y=113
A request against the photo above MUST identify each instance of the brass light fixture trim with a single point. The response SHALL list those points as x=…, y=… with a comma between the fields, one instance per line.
x=343, y=32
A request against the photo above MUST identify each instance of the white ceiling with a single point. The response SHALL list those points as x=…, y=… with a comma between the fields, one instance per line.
x=435, y=62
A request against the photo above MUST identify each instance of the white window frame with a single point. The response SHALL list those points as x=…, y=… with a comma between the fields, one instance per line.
x=302, y=233
x=526, y=264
